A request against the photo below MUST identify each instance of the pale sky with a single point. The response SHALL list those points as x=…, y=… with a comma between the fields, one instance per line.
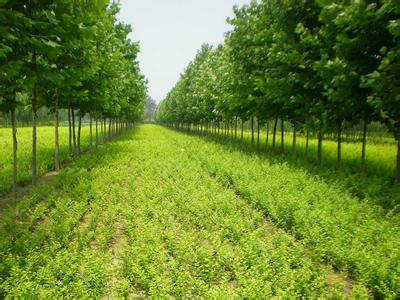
x=171, y=31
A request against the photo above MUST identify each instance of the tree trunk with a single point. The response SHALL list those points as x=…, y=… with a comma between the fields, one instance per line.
x=15, y=149
x=69, y=132
x=73, y=129
x=91, y=130
x=294, y=152
x=398, y=162
x=319, y=154
x=274, y=135
x=101, y=131
x=79, y=133
x=56, y=134
x=236, y=123
x=282, y=137
x=267, y=135
x=258, y=133
x=104, y=131
x=34, y=136
x=97, y=132
x=307, y=142
x=252, y=130
x=109, y=129
x=339, y=148
x=241, y=130
x=364, y=145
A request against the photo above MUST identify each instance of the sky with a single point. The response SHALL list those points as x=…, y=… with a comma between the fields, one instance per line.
x=170, y=32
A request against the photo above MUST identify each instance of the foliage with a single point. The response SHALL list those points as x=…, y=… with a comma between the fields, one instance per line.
x=321, y=65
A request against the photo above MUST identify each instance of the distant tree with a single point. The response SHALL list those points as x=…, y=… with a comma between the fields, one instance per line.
x=150, y=108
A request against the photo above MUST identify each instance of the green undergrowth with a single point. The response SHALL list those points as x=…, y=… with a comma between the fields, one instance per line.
x=352, y=235
x=376, y=186
x=144, y=217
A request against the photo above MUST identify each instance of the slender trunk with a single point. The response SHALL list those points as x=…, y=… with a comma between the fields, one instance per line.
x=307, y=142
x=34, y=137
x=101, y=131
x=69, y=132
x=267, y=135
x=363, y=151
x=73, y=129
x=56, y=136
x=241, y=130
x=105, y=130
x=339, y=147
x=252, y=130
x=282, y=137
x=34, y=120
x=294, y=152
x=109, y=129
x=15, y=149
x=236, y=123
x=274, y=135
x=91, y=130
x=97, y=132
x=79, y=133
x=319, y=154
x=258, y=132
x=398, y=162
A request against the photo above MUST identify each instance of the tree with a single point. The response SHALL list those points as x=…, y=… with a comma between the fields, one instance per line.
x=150, y=108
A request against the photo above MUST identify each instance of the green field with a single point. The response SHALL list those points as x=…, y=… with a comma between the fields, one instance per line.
x=375, y=187
x=159, y=213
x=45, y=152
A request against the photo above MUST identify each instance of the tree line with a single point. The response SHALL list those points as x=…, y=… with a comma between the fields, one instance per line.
x=72, y=56
x=321, y=66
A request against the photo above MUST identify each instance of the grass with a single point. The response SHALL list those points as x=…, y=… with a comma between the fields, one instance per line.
x=45, y=153
x=160, y=214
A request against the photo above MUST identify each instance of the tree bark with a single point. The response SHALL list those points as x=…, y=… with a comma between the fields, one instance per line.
x=241, y=130
x=319, y=152
x=398, y=162
x=236, y=123
x=79, y=133
x=69, y=132
x=258, y=132
x=15, y=149
x=73, y=129
x=105, y=130
x=363, y=150
x=307, y=142
x=282, y=137
x=109, y=129
x=91, y=130
x=56, y=134
x=101, y=131
x=252, y=130
x=97, y=132
x=339, y=148
x=34, y=120
x=34, y=136
x=294, y=151
x=274, y=135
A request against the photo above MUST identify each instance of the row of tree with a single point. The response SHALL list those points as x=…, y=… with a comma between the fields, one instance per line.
x=71, y=55
x=323, y=66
